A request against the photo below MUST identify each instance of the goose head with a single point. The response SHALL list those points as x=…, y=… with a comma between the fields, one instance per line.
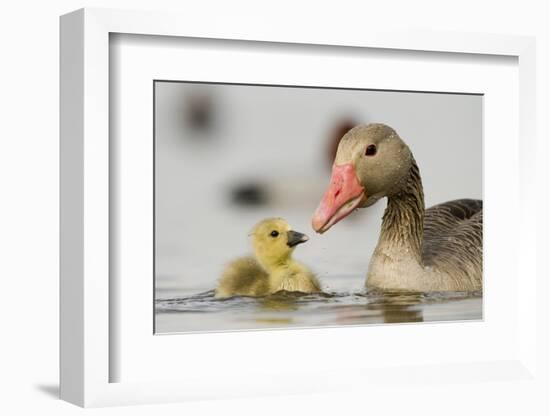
x=372, y=162
x=274, y=241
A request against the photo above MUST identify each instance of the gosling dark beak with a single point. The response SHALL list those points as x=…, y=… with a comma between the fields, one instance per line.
x=294, y=238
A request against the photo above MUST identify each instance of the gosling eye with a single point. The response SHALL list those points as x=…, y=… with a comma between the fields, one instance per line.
x=274, y=233
x=371, y=150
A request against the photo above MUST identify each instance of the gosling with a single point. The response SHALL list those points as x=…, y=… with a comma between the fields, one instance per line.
x=272, y=269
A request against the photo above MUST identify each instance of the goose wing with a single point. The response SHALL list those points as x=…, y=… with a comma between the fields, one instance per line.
x=453, y=237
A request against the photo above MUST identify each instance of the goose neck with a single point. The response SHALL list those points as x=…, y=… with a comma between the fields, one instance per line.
x=403, y=220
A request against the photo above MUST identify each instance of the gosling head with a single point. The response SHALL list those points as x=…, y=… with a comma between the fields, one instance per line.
x=371, y=162
x=274, y=241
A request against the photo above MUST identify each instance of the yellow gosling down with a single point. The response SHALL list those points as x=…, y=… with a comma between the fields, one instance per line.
x=272, y=269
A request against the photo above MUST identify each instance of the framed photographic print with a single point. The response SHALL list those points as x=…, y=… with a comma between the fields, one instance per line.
x=289, y=212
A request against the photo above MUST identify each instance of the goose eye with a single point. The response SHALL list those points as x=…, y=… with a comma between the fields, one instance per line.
x=371, y=150
x=274, y=233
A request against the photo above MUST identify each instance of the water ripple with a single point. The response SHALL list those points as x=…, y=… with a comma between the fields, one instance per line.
x=205, y=302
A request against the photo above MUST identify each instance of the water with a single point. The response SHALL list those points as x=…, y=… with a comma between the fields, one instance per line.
x=203, y=312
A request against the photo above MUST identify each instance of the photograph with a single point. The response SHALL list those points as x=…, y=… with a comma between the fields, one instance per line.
x=283, y=206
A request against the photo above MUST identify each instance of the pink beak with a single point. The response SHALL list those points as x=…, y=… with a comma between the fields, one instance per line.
x=343, y=195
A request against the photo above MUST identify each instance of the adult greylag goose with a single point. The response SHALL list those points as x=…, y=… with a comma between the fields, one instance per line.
x=434, y=249
x=272, y=269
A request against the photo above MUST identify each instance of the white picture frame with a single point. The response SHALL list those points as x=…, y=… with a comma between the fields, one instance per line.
x=87, y=305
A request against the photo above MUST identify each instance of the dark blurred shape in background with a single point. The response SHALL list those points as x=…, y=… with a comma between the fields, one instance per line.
x=341, y=128
x=250, y=193
x=199, y=113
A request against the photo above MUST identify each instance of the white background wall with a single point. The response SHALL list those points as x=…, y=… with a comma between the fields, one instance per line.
x=29, y=209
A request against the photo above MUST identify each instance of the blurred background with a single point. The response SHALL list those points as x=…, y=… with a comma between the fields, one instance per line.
x=227, y=156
